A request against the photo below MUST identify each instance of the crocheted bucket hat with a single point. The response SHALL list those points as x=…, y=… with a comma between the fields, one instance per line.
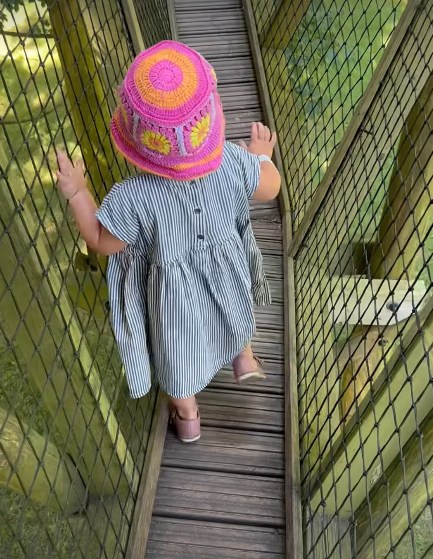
x=169, y=121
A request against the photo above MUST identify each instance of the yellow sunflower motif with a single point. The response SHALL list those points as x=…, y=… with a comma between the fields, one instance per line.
x=156, y=142
x=200, y=131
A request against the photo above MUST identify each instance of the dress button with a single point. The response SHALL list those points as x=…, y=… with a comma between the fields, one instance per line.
x=197, y=211
x=200, y=237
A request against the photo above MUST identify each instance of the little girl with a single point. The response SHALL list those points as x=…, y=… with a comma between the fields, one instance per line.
x=184, y=267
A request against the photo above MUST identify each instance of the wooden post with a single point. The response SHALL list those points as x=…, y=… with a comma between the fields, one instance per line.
x=284, y=23
x=398, y=255
x=88, y=100
x=32, y=466
x=386, y=422
x=401, y=495
x=38, y=319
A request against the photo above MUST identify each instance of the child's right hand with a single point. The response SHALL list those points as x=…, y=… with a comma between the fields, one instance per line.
x=262, y=140
x=70, y=177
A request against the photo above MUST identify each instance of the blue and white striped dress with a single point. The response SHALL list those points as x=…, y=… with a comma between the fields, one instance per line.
x=182, y=291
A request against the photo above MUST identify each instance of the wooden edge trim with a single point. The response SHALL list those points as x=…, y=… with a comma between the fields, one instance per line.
x=353, y=129
x=172, y=20
x=294, y=540
x=266, y=100
x=142, y=517
x=132, y=24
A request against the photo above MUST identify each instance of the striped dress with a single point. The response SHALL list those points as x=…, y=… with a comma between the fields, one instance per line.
x=182, y=291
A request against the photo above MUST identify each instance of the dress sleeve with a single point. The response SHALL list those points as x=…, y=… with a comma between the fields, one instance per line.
x=118, y=214
x=250, y=169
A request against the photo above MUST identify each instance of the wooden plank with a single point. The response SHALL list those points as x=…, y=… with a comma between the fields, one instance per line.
x=204, y=5
x=271, y=317
x=137, y=541
x=272, y=384
x=210, y=22
x=32, y=466
x=224, y=45
x=399, y=69
x=220, y=496
x=235, y=70
x=229, y=450
x=224, y=408
x=190, y=539
x=268, y=230
x=236, y=97
x=270, y=246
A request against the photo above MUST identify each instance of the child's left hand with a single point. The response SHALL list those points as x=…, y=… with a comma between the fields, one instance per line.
x=70, y=177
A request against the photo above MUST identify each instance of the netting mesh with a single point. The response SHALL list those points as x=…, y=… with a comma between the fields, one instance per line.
x=352, y=90
x=152, y=17
x=72, y=442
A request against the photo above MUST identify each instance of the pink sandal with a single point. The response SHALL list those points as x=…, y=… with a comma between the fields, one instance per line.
x=187, y=430
x=243, y=374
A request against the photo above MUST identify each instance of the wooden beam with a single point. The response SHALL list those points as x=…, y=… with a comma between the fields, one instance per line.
x=370, y=438
x=172, y=19
x=359, y=300
x=32, y=466
x=133, y=25
x=38, y=319
x=149, y=480
x=408, y=211
x=294, y=541
x=399, y=497
x=265, y=99
x=284, y=23
x=404, y=67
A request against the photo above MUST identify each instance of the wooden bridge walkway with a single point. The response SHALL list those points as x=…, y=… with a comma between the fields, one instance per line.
x=224, y=496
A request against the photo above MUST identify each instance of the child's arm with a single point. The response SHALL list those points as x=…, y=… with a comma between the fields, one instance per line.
x=72, y=184
x=262, y=143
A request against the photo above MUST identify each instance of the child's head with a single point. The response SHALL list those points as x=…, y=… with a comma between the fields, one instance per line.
x=170, y=121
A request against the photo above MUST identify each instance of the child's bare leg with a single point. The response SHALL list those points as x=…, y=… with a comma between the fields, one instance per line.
x=186, y=407
x=246, y=366
x=186, y=419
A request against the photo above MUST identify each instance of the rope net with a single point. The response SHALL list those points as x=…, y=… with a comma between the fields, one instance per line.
x=351, y=86
x=72, y=442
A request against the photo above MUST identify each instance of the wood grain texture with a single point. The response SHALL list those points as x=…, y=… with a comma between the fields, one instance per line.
x=229, y=450
x=224, y=497
x=188, y=539
x=218, y=496
x=149, y=479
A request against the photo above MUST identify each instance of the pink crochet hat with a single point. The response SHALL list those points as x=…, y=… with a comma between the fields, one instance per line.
x=169, y=121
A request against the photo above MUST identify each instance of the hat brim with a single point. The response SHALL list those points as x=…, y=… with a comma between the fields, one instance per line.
x=183, y=171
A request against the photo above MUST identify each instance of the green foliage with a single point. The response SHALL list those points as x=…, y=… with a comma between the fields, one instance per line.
x=331, y=59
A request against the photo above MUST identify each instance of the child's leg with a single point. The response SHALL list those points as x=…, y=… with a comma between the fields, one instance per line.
x=246, y=366
x=186, y=419
x=186, y=407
